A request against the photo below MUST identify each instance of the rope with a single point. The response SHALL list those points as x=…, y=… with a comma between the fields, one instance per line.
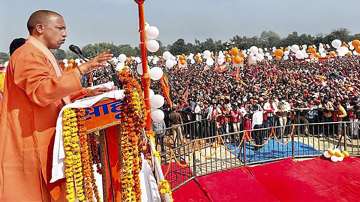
x=172, y=156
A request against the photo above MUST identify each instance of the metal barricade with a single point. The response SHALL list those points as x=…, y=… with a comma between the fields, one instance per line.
x=215, y=153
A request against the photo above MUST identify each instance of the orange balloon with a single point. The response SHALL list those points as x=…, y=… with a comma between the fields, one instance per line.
x=72, y=61
x=70, y=65
x=234, y=51
x=238, y=60
x=182, y=61
x=279, y=53
x=181, y=57
x=356, y=43
x=332, y=54
x=357, y=49
x=312, y=50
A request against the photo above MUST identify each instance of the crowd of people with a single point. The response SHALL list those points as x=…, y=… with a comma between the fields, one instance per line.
x=270, y=93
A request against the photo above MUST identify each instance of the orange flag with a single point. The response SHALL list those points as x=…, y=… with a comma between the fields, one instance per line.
x=165, y=87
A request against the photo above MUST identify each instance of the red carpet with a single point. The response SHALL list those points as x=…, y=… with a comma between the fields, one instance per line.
x=287, y=180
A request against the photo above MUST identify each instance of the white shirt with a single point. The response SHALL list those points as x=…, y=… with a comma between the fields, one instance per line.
x=197, y=109
x=257, y=118
x=243, y=111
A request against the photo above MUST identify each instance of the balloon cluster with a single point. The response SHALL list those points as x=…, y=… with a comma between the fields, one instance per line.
x=237, y=56
x=152, y=33
x=156, y=73
x=335, y=155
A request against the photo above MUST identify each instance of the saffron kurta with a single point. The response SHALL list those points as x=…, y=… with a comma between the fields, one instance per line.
x=32, y=100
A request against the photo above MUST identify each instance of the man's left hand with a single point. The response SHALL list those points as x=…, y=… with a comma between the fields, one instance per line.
x=96, y=91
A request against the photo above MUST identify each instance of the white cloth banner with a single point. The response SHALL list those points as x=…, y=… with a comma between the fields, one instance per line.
x=58, y=152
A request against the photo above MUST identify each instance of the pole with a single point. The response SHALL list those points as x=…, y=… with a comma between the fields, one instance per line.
x=146, y=76
x=145, y=80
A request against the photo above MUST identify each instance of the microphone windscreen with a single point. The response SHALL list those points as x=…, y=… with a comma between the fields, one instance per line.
x=75, y=49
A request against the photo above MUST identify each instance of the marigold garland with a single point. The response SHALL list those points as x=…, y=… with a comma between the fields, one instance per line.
x=132, y=117
x=86, y=158
x=81, y=150
x=95, y=153
x=73, y=166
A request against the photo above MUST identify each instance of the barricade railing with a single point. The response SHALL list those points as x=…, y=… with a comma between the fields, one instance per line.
x=197, y=157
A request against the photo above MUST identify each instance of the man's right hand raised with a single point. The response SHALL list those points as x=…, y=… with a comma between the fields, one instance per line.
x=98, y=61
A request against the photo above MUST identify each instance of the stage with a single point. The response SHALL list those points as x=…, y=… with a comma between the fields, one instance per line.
x=286, y=180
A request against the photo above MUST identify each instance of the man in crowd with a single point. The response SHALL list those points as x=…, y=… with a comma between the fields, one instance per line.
x=175, y=123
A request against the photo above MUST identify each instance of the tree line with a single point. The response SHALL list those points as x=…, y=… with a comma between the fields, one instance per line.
x=267, y=39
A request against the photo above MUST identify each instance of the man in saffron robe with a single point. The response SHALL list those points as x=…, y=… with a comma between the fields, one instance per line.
x=35, y=91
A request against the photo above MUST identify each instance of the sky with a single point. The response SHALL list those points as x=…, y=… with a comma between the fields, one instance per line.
x=93, y=21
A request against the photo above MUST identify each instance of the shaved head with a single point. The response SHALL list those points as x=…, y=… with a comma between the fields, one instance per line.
x=48, y=27
x=40, y=17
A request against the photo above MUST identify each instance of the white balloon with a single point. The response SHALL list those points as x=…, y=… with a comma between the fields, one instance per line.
x=336, y=43
x=169, y=63
x=251, y=60
x=342, y=51
x=146, y=26
x=138, y=59
x=114, y=60
x=299, y=55
x=304, y=53
x=190, y=57
x=155, y=61
x=65, y=61
x=119, y=66
x=152, y=46
x=207, y=54
x=327, y=155
x=139, y=69
x=152, y=32
x=260, y=57
x=167, y=55
x=210, y=62
x=151, y=93
x=334, y=159
x=157, y=115
x=295, y=48
x=254, y=49
x=157, y=101
x=122, y=58
x=156, y=73
x=192, y=61
x=286, y=57
x=221, y=61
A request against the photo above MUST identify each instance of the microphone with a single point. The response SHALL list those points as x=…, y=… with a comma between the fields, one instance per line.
x=78, y=52
x=114, y=78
